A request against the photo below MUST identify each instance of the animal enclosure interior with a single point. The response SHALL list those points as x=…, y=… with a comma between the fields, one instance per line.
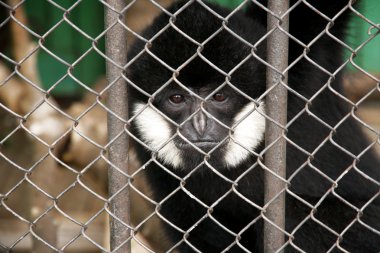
x=189, y=126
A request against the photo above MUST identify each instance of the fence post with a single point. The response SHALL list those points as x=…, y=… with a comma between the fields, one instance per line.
x=116, y=50
x=276, y=109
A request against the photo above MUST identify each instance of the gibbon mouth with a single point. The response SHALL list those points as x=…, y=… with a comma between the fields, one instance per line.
x=201, y=144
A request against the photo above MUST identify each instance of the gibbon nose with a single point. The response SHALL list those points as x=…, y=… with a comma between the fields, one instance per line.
x=200, y=123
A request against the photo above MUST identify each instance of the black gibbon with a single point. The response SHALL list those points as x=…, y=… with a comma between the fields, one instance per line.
x=195, y=99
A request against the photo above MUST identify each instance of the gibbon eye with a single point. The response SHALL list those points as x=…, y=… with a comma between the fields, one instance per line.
x=177, y=99
x=219, y=97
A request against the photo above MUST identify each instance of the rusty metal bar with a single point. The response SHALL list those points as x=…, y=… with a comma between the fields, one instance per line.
x=276, y=109
x=116, y=50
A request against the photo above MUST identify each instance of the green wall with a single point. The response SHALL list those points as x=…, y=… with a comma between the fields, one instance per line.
x=67, y=44
x=368, y=57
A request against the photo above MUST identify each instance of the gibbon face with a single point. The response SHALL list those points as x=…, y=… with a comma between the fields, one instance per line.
x=185, y=128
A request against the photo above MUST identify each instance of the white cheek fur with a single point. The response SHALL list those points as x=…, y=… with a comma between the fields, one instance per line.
x=248, y=134
x=155, y=131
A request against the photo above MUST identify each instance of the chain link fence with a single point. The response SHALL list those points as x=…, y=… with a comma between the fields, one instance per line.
x=70, y=178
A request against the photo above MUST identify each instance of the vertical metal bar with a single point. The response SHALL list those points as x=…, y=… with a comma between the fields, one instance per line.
x=116, y=50
x=276, y=109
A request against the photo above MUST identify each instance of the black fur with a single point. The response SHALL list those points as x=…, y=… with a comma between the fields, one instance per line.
x=307, y=132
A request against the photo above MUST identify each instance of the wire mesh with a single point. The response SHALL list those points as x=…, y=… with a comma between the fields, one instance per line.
x=65, y=187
